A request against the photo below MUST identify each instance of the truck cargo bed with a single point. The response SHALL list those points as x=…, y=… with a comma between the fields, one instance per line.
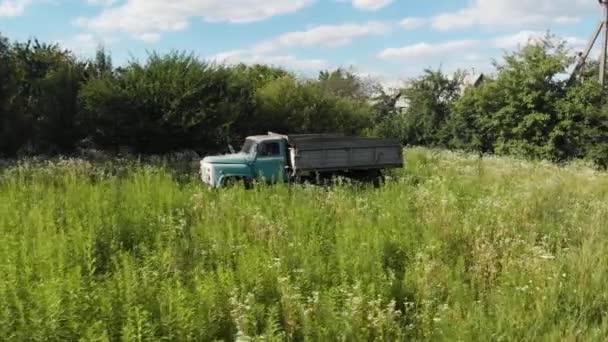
x=332, y=152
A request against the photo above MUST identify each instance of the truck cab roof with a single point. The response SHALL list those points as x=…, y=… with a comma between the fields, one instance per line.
x=295, y=137
x=326, y=140
x=259, y=138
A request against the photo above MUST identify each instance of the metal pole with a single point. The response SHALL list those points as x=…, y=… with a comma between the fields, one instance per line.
x=585, y=55
x=604, y=44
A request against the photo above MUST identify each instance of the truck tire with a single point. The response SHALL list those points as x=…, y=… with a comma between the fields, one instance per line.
x=247, y=183
x=378, y=180
x=231, y=182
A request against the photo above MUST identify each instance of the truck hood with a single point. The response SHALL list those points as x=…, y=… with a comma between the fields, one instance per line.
x=237, y=158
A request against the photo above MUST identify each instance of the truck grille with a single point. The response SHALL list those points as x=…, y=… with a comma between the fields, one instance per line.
x=206, y=173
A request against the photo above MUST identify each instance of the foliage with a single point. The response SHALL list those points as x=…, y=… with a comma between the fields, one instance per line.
x=303, y=107
x=526, y=109
x=40, y=84
x=522, y=114
x=529, y=110
x=346, y=84
x=454, y=247
x=10, y=121
x=52, y=102
x=428, y=99
x=176, y=101
x=172, y=101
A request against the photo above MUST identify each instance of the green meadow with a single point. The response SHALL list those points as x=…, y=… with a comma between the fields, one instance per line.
x=453, y=247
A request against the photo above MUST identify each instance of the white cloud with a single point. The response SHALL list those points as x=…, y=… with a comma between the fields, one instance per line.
x=474, y=57
x=13, y=8
x=576, y=43
x=325, y=35
x=566, y=20
x=84, y=43
x=369, y=5
x=467, y=54
x=150, y=18
x=288, y=61
x=102, y=2
x=413, y=23
x=513, y=41
x=387, y=80
x=493, y=13
x=148, y=37
x=426, y=50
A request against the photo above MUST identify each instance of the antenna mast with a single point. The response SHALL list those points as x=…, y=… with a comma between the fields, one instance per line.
x=602, y=28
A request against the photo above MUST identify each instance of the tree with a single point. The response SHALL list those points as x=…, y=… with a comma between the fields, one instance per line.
x=469, y=127
x=50, y=100
x=344, y=83
x=582, y=127
x=423, y=122
x=42, y=110
x=294, y=106
x=99, y=66
x=252, y=120
x=11, y=124
x=516, y=113
x=172, y=101
x=7, y=73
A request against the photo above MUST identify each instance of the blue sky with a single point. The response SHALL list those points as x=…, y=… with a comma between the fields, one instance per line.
x=390, y=40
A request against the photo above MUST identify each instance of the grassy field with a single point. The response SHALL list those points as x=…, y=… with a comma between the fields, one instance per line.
x=452, y=248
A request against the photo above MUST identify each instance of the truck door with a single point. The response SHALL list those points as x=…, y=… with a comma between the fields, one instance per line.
x=270, y=161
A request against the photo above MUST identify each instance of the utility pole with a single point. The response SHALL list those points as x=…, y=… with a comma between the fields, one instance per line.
x=604, y=4
x=603, y=29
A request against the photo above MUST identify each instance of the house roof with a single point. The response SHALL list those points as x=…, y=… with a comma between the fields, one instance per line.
x=473, y=79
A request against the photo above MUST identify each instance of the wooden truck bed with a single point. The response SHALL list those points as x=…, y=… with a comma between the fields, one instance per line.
x=327, y=152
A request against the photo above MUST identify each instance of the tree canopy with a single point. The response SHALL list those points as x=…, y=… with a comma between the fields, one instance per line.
x=52, y=101
x=526, y=108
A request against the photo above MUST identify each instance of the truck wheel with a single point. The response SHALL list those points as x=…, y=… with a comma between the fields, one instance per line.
x=247, y=183
x=377, y=179
x=229, y=182
x=232, y=182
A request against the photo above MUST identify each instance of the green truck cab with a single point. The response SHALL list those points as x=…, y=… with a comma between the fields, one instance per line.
x=283, y=158
x=260, y=157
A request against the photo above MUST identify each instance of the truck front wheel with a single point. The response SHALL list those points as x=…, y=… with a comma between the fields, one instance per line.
x=230, y=182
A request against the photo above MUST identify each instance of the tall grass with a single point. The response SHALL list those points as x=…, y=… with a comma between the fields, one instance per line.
x=452, y=248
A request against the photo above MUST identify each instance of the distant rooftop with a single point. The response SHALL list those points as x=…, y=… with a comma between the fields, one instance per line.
x=473, y=79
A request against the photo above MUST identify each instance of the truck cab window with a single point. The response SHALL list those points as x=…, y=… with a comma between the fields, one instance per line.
x=270, y=149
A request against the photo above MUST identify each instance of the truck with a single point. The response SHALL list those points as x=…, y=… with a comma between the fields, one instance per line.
x=295, y=158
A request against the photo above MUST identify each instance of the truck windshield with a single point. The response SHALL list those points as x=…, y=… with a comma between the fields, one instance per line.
x=248, y=146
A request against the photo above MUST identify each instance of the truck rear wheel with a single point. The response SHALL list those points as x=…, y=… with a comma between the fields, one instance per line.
x=374, y=177
x=378, y=180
